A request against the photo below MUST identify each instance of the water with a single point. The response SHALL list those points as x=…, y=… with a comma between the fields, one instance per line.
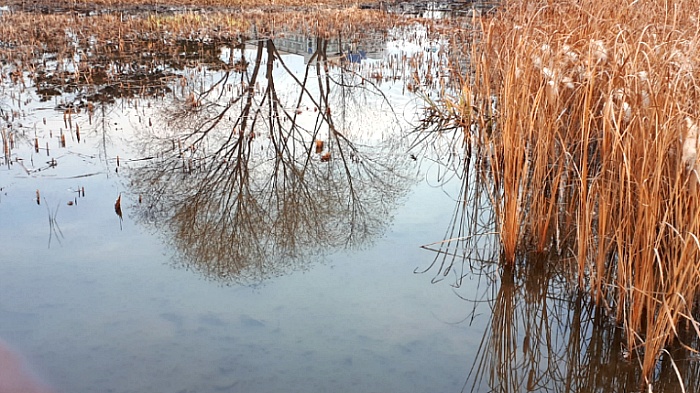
x=100, y=302
x=113, y=315
x=242, y=259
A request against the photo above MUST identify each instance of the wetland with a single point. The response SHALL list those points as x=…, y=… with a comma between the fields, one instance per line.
x=228, y=196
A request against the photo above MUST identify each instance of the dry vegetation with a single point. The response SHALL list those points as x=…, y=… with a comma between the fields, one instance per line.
x=585, y=114
x=34, y=27
x=91, y=43
x=48, y=32
x=101, y=6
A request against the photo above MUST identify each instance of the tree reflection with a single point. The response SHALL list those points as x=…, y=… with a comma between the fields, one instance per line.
x=256, y=169
x=470, y=241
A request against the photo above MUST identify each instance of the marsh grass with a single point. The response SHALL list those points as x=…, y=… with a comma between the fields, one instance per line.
x=586, y=113
x=27, y=34
x=64, y=5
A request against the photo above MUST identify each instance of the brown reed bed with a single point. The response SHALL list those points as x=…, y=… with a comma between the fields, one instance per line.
x=586, y=113
x=27, y=35
x=71, y=49
x=102, y=6
x=21, y=28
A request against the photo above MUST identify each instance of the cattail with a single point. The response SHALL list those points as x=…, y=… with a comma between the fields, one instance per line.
x=690, y=144
x=192, y=101
x=118, y=206
x=6, y=146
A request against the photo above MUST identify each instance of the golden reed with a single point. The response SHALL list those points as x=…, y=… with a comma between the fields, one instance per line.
x=587, y=114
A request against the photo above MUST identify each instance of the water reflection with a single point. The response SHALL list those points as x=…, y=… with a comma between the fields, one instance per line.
x=444, y=9
x=260, y=166
x=543, y=336
x=470, y=243
x=543, y=333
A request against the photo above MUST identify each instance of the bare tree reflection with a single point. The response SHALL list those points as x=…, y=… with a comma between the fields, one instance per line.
x=254, y=171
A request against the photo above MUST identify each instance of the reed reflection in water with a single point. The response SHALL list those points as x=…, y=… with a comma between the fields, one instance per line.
x=543, y=337
x=543, y=333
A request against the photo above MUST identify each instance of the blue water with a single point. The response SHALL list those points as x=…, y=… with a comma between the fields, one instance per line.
x=104, y=310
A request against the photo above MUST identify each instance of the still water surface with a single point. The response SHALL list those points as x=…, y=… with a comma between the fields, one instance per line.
x=101, y=304
x=105, y=311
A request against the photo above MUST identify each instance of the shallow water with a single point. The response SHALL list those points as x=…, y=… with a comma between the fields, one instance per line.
x=105, y=311
x=100, y=304
x=296, y=273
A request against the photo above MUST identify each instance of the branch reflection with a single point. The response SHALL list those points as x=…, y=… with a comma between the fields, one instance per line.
x=262, y=165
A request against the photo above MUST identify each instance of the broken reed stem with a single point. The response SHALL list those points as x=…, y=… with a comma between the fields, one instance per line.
x=596, y=140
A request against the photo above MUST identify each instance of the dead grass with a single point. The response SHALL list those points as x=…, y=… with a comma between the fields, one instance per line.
x=144, y=5
x=28, y=34
x=594, y=152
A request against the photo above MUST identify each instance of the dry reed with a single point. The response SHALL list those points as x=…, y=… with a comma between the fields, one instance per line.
x=82, y=5
x=25, y=33
x=594, y=150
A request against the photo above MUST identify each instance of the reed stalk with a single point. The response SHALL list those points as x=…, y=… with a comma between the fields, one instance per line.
x=592, y=151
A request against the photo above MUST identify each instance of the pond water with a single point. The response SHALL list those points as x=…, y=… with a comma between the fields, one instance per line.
x=253, y=222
